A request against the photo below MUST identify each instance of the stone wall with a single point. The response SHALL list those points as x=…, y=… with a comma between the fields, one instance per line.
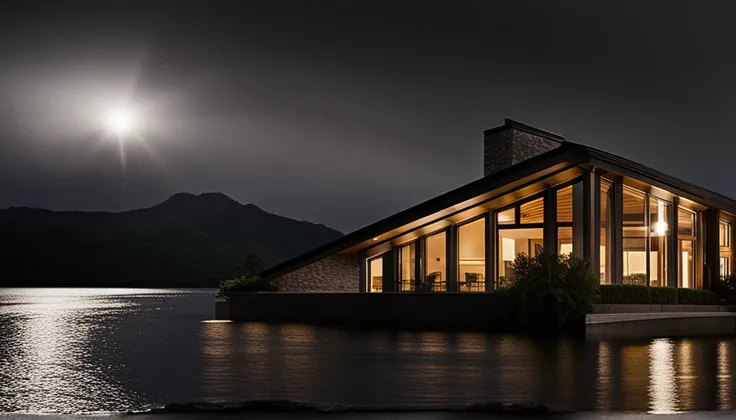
x=509, y=146
x=336, y=273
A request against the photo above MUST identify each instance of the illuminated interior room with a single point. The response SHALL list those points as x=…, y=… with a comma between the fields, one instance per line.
x=537, y=193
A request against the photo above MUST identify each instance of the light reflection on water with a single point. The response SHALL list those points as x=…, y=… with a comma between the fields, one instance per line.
x=70, y=350
x=86, y=350
x=253, y=360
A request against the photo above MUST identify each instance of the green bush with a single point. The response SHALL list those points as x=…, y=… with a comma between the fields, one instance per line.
x=636, y=279
x=553, y=291
x=243, y=284
x=725, y=287
x=620, y=294
x=663, y=295
x=697, y=297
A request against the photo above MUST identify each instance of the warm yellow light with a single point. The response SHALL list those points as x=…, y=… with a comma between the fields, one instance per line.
x=660, y=226
x=375, y=239
x=120, y=122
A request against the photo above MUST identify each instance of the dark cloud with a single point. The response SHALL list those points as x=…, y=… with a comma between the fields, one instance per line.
x=345, y=112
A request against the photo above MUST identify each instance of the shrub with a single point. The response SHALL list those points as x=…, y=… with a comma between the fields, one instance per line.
x=504, y=282
x=620, y=294
x=663, y=295
x=553, y=291
x=633, y=295
x=697, y=297
x=636, y=279
x=725, y=287
x=243, y=284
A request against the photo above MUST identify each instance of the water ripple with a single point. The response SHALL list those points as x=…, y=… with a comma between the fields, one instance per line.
x=89, y=350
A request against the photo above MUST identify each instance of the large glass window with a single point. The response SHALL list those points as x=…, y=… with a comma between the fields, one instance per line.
x=686, y=248
x=435, y=267
x=605, y=247
x=725, y=266
x=529, y=241
x=564, y=200
x=532, y=211
x=724, y=242
x=687, y=264
x=685, y=222
x=375, y=275
x=407, y=268
x=522, y=236
x=471, y=252
x=635, y=236
x=507, y=217
x=564, y=204
x=659, y=230
x=724, y=237
x=564, y=240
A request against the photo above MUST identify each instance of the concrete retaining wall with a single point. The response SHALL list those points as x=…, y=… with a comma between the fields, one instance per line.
x=222, y=309
x=640, y=309
x=653, y=325
x=468, y=310
x=388, y=309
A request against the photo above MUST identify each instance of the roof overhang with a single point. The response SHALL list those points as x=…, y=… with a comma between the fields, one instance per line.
x=515, y=178
x=494, y=191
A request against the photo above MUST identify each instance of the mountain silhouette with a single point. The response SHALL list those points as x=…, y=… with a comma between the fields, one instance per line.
x=186, y=241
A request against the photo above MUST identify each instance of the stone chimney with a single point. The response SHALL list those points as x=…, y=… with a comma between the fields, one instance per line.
x=514, y=142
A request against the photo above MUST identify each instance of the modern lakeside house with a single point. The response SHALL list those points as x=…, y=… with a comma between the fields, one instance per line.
x=539, y=192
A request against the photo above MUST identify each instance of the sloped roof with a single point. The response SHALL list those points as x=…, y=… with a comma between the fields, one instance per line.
x=568, y=153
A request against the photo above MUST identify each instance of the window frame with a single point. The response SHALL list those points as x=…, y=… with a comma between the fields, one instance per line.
x=726, y=250
x=369, y=277
x=555, y=190
x=516, y=205
x=485, y=216
x=693, y=239
x=397, y=278
x=728, y=239
x=423, y=259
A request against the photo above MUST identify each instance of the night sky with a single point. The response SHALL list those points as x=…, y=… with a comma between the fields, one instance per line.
x=343, y=112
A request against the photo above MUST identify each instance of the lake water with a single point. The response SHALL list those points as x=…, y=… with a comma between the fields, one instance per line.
x=102, y=350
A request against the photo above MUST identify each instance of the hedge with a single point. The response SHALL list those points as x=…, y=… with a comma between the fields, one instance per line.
x=663, y=295
x=244, y=284
x=624, y=294
x=631, y=295
x=697, y=297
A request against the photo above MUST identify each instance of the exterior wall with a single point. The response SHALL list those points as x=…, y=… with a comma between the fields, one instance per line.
x=502, y=149
x=336, y=273
x=394, y=309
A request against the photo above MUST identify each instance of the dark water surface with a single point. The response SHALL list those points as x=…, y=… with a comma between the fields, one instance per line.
x=91, y=350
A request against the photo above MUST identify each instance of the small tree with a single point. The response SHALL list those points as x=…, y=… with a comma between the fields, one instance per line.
x=553, y=291
x=253, y=264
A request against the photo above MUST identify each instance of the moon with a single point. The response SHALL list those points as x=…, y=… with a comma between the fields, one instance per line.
x=121, y=122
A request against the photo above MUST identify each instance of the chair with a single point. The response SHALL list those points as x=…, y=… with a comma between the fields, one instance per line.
x=472, y=281
x=430, y=280
x=377, y=283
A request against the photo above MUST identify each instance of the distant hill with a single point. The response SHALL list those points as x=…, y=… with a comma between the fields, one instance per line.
x=186, y=241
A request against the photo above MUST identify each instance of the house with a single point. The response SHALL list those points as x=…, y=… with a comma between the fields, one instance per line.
x=634, y=224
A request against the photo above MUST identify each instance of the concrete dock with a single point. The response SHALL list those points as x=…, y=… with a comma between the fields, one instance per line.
x=658, y=324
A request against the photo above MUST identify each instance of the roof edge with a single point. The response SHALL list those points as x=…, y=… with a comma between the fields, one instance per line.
x=576, y=153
